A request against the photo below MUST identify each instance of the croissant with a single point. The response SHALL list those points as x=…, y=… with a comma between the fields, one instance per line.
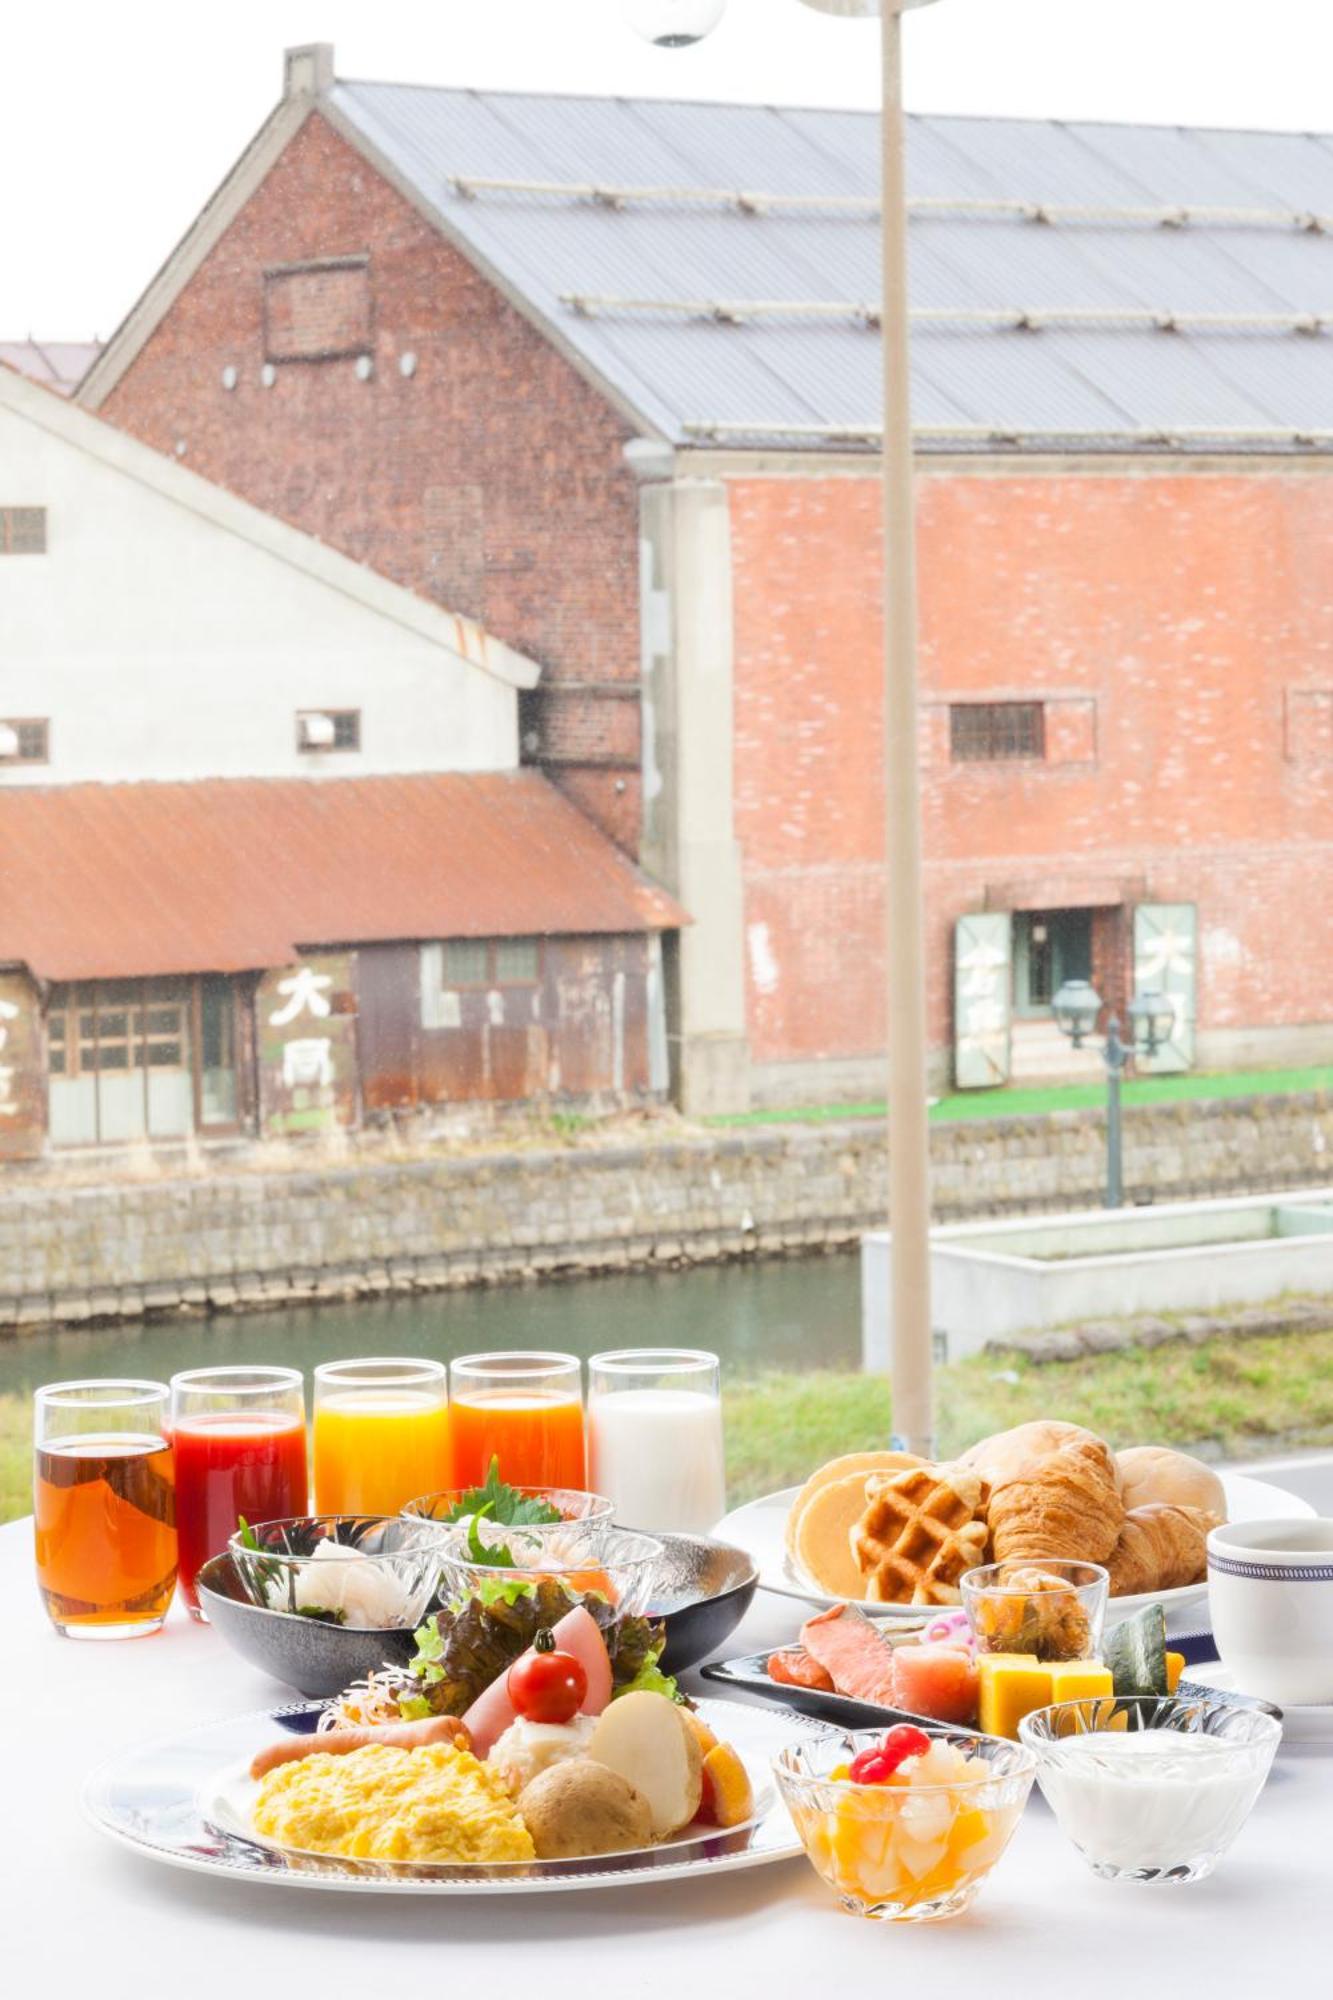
x=1060, y=1504
x=1160, y=1547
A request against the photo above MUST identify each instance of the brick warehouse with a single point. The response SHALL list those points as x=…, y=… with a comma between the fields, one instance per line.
x=602, y=376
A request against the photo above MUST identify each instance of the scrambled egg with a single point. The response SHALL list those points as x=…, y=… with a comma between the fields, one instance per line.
x=384, y=1804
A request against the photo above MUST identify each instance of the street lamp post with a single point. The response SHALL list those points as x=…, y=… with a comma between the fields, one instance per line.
x=905, y=983
x=675, y=23
x=1076, y=1007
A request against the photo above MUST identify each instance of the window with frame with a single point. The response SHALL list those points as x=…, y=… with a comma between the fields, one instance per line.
x=487, y=962
x=30, y=736
x=140, y=1058
x=22, y=531
x=320, y=731
x=992, y=732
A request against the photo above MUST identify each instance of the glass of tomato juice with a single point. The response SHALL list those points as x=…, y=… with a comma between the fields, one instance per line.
x=240, y=1445
x=524, y=1409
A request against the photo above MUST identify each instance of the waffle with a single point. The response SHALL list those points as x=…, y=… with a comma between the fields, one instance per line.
x=919, y=1534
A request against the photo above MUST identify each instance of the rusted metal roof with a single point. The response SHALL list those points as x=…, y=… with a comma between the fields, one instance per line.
x=230, y=874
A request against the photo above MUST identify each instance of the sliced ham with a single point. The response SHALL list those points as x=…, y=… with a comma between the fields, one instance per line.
x=492, y=1712
x=796, y=1669
x=854, y=1654
x=937, y=1681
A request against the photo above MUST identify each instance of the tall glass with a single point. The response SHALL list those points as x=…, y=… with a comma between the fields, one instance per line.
x=655, y=1437
x=524, y=1409
x=104, y=1503
x=239, y=1435
x=381, y=1434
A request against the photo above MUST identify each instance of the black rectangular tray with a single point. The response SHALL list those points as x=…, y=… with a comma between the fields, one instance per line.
x=751, y=1674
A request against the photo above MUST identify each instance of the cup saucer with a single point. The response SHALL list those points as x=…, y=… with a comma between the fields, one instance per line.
x=1300, y=1724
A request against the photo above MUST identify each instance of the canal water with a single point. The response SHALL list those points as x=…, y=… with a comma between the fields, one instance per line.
x=787, y=1314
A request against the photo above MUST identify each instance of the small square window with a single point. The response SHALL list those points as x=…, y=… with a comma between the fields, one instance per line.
x=517, y=961
x=22, y=531
x=464, y=962
x=321, y=730
x=24, y=740
x=996, y=731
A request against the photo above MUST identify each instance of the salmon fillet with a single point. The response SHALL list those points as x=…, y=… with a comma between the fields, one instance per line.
x=796, y=1669
x=853, y=1653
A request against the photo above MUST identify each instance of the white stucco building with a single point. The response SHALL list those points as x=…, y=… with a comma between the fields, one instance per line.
x=153, y=626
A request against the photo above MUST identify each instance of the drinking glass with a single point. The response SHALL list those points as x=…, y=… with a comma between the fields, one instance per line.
x=524, y=1409
x=240, y=1445
x=1051, y=1607
x=655, y=1437
x=381, y=1433
x=104, y=1505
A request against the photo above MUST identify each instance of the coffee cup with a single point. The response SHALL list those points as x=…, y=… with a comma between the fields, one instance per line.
x=1270, y=1595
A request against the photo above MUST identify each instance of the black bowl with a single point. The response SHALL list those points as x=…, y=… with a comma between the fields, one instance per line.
x=305, y=1653
x=703, y=1590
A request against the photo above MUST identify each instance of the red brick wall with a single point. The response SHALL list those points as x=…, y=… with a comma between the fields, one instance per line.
x=492, y=480
x=1171, y=617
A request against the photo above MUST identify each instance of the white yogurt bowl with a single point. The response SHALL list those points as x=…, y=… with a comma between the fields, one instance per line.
x=1151, y=1788
x=1270, y=1599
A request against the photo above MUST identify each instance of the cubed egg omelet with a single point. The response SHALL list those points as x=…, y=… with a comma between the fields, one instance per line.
x=384, y=1804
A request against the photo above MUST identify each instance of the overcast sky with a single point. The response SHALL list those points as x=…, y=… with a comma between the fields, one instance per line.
x=116, y=122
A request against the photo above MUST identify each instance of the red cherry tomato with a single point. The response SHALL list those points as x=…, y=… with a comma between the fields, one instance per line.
x=872, y=1767
x=904, y=1741
x=547, y=1687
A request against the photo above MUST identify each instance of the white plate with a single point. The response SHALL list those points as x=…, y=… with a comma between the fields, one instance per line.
x=185, y=1801
x=1299, y=1724
x=759, y=1528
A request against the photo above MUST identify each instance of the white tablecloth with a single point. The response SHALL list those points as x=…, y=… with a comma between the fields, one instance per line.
x=80, y=1915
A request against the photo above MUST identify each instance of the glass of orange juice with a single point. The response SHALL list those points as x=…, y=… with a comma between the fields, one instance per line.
x=524, y=1409
x=381, y=1434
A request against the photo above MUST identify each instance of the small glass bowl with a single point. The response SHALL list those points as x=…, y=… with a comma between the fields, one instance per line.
x=1151, y=1788
x=613, y=1570
x=1055, y=1609
x=912, y=1853
x=387, y=1578
x=576, y=1508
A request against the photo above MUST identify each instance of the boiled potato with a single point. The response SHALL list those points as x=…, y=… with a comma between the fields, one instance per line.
x=579, y=1808
x=647, y=1740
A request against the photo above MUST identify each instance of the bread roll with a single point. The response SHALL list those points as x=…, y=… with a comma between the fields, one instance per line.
x=1016, y=1453
x=1150, y=1473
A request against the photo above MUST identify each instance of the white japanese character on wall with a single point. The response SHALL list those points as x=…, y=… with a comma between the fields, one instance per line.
x=306, y=993
x=308, y=1060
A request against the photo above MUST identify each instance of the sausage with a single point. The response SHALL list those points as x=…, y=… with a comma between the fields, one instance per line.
x=397, y=1735
x=797, y=1669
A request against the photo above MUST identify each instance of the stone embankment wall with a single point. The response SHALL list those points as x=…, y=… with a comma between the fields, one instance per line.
x=221, y=1241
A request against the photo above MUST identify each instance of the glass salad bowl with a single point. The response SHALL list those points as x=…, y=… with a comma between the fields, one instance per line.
x=578, y=1512
x=1151, y=1788
x=612, y=1570
x=363, y=1572
x=917, y=1847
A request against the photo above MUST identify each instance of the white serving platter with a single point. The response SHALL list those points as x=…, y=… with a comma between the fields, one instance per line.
x=760, y=1526
x=185, y=1801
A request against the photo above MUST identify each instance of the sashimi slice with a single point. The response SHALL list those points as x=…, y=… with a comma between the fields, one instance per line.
x=938, y=1681
x=492, y=1712
x=855, y=1655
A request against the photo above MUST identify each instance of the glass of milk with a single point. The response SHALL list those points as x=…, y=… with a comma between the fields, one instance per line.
x=655, y=1437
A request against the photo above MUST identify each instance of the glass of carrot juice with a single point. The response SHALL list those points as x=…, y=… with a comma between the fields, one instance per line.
x=381, y=1434
x=524, y=1409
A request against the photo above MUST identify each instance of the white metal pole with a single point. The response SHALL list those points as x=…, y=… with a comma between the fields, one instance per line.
x=909, y=1131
